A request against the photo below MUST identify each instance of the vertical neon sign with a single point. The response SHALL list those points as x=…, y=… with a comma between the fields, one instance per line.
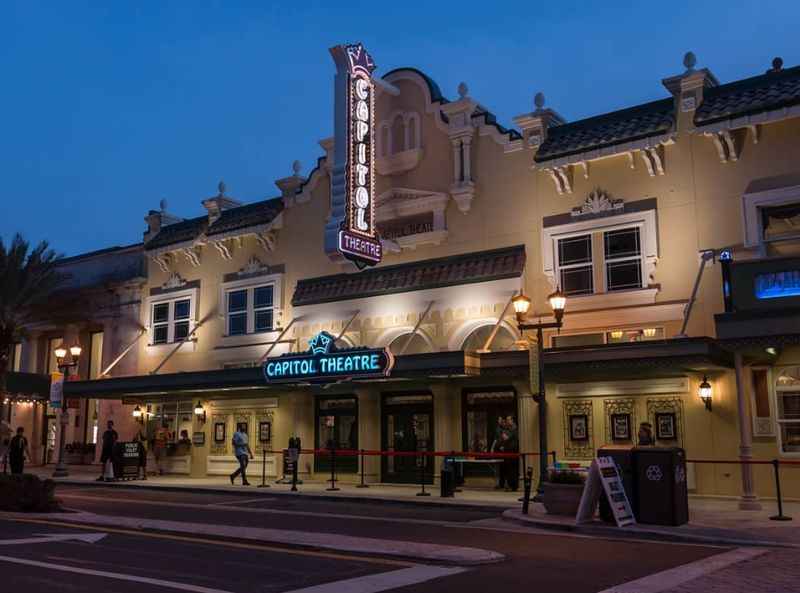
x=352, y=233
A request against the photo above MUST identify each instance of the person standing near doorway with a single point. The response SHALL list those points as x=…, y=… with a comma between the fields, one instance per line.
x=241, y=448
x=110, y=438
x=17, y=450
x=160, y=439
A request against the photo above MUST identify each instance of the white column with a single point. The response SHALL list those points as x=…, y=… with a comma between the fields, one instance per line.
x=456, y=161
x=748, y=500
x=466, y=155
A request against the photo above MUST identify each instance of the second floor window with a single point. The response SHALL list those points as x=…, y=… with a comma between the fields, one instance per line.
x=250, y=310
x=600, y=261
x=171, y=321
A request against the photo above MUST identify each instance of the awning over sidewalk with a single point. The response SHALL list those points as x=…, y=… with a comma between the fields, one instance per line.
x=409, y=367
x=619, y=361
x=27, y=385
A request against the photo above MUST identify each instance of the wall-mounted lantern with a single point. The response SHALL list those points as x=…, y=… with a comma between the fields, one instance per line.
x=138, y=415
x=200, y=412
x=705, y=392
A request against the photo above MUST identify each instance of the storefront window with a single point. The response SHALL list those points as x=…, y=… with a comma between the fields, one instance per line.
x=337, y=427
x=490, y=424
x=787, y=395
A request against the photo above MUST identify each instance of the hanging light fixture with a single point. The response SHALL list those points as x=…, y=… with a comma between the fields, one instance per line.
x=522, y=305
x=649, y=332
x=137, y=413
x=558, y=302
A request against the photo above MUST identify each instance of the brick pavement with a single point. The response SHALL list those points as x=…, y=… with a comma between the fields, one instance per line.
x=777, y=571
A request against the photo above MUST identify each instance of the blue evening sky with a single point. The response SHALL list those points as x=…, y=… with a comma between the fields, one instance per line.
x=107, y=107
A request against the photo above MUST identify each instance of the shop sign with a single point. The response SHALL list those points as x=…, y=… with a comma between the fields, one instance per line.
x=353, y=179
x=406, y=226
x=775, y=285
x=323, y=361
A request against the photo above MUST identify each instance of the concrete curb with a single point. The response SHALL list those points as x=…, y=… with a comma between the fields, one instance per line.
x=396, y=549
x=255, y=492
x=638, y=532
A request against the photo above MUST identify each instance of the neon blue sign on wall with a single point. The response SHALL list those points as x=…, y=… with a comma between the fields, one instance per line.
x=323, y=361
x=775, y=285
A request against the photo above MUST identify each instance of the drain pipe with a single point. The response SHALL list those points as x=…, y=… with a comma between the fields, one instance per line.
x=705, y=257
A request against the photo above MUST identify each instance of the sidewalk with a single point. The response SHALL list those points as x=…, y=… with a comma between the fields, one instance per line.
x=712, y=520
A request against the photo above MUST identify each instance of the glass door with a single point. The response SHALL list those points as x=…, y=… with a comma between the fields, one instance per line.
x=337, y=426
x=407, y=428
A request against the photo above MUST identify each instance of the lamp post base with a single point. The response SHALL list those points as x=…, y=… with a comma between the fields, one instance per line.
x=61, y=471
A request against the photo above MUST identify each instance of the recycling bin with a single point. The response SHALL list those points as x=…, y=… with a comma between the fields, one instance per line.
x=661, y=492
x=623, y=457
x=448, y=478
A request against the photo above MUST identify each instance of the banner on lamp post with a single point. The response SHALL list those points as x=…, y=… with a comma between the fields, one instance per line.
x=533, y=364
x=56, y=389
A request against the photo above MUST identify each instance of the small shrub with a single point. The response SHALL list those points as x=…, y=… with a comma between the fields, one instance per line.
x=566, y=477
x=27, y=493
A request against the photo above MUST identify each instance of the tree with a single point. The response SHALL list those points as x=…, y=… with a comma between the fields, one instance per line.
x=27, y=277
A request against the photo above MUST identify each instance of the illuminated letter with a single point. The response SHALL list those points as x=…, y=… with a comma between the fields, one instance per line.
x=373, y=359
x=362, y=129
x=362, y=197
x=362, y=88
x=348, y=363
x=361, y=222
x=362, y=111
x=361, y=175
x=361, y=153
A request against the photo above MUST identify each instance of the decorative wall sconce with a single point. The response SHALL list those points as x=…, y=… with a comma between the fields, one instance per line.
x=138, y=415
x=705, y=392
x=200, y=412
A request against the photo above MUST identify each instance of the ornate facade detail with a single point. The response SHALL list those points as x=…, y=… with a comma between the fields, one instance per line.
x=584, y=448
x=162, y=260
x=224, y=249
x=461, y=131
x=174, y=281
x=596, y=202
x=667, y=405
x=192, y=255
x=266, y=240
x=562, y=178
x=253, y=266
x=614, y=407
x=727, y=145
x=653, y=158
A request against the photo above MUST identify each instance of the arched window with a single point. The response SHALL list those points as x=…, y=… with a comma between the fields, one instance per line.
x=412, y=131
x=504, y=340
x=398, y=134
x=417, y=345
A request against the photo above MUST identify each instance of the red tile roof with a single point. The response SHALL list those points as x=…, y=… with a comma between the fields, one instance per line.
x=467, y=268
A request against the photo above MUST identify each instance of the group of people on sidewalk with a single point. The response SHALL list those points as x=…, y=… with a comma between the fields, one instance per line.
x=13, y=449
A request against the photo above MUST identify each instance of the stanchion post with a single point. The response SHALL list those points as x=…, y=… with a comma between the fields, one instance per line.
x=524, y=477
x=295, y=464
x=526, y=497
x=263, y=483
x=362, y=484
x=333, y=487
x=780, y=516
x=422, y=477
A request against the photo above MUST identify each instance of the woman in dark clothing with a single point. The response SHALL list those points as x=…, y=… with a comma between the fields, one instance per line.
x=17, y=450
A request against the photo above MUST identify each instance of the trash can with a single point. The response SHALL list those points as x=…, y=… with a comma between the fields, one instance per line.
x=661, y=492
x=448, y=478
x=623, y=457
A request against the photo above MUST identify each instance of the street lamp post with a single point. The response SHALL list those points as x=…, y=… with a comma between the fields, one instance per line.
x=522, y=304
x=61, y=470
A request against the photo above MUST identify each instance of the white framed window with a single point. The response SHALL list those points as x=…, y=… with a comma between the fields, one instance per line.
x=171, y=316
x=252, y=305
x=609, y=255
x=768, y=216
x=250, y=310
x=612, y=336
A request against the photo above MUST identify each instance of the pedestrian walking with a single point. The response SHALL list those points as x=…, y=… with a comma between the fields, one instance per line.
x=160, y=439
x=241, y=448
x=17, y=451
x=142, y=440
x=109, y=439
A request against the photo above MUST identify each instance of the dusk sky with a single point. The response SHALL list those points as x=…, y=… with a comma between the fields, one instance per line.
x=107, y=108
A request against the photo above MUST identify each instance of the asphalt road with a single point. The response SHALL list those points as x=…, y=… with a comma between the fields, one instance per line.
x=536, y=561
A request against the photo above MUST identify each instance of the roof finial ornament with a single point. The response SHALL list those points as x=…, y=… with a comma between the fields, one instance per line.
x=221, y=187
x=538, y=100
x=163, y=204
x=690, y=61
x=296, y=168
x=463, y=89
x=777, y=64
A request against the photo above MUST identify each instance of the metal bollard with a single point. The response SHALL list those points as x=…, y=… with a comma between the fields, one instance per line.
x=524, y=474
x=362, y=484
x=333, y=487
x=780, y=516
x=526, y=497
x=263, y=483
x=422, y=477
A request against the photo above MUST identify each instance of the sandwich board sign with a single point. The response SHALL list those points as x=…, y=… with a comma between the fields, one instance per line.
x=604, y=477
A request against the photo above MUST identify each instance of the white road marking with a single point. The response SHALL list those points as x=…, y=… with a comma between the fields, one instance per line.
x=47, y=538
x=383, y=581
x=235, y=502
x=112, y=575
x=674, y=577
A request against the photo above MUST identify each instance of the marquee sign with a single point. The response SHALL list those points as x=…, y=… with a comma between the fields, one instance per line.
x=324, y=362
x=352, y=232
